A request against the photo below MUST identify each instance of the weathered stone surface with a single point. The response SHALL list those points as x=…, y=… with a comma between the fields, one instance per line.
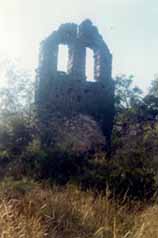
x=69, y=94
x=79, y=134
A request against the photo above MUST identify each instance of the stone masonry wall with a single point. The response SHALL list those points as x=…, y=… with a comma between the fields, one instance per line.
x=68, y=94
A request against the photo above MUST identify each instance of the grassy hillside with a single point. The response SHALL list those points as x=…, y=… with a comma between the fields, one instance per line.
x=29, y=209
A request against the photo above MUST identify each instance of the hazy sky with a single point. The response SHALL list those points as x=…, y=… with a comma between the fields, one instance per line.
x=128, y=26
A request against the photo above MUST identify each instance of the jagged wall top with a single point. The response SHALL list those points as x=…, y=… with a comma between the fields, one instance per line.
x=67, y=95
x=77, y=38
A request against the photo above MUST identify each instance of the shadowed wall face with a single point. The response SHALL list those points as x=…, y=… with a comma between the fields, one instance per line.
x=70, y=93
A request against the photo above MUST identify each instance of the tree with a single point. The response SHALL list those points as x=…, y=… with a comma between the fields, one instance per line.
x=153, y=90
x=126, y=96
x=17, y=92
x=16, y=107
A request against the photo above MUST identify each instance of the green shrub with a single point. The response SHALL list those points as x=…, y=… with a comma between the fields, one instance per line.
x=129, y=171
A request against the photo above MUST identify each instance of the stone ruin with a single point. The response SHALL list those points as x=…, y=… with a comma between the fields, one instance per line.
x=66, y=95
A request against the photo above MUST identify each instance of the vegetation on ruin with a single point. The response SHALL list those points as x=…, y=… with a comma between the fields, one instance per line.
x=49, y=191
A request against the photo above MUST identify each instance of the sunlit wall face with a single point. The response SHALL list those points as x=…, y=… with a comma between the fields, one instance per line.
x=128, y=27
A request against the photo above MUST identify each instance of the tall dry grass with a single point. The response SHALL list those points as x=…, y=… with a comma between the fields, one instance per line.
x=30, y=210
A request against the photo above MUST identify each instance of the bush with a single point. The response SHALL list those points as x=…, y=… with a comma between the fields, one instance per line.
x=129, y=171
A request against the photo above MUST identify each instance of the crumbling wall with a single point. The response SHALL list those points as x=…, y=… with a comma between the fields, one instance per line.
x=64, y=95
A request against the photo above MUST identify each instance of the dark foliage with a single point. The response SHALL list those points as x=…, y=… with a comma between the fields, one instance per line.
x=131, y=170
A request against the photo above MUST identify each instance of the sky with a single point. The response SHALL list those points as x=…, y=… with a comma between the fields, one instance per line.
x=129, y=28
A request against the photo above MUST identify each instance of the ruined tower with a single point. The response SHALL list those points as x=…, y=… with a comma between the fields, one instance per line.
x=61, y=94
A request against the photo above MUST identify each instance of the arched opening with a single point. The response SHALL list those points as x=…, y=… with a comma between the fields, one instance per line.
x=90, y=65
x=63, y=57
